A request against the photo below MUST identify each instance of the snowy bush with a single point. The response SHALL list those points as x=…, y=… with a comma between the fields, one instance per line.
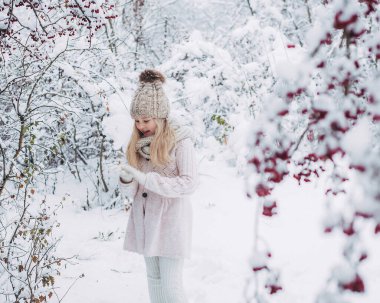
x=207, y=84
x=327, y=112
x=44, y=128
x=27, y=254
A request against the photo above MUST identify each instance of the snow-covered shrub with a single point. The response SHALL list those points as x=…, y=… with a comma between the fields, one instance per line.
x=206, y=84
x=332, y=99
x=38, y=95
x=28, y=262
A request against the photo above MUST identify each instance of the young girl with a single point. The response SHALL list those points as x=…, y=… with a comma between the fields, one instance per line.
x=160, y=174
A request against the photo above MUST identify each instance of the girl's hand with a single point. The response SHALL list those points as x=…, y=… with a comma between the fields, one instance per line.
x=135, y=173
x=125, y=177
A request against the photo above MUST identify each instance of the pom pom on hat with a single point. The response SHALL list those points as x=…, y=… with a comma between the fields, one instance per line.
x=151, y=75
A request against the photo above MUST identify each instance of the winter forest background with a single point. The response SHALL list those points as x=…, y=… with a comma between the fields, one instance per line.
x=284, y=99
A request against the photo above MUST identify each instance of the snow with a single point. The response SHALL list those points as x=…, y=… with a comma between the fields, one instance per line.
x=344, y=273
x=251, y=26
x=357, y=141
x=60, y=44
x=28, y=19
x=373, y=88
x=285, y=61
x=324, y=104
x=319, y=28
x=223, y=234
x=239, y=137
x=197, y=90
x=119, y=124
x=3, y=20
x=348, y=8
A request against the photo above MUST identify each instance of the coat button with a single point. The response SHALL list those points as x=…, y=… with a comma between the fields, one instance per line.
x=144, y=195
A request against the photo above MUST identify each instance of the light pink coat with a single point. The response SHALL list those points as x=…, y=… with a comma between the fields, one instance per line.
x=161, y=223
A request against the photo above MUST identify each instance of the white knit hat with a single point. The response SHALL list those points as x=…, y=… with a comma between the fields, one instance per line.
x=150, y=100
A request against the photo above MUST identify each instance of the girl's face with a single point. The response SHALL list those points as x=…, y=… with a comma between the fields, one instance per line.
x=147, y=126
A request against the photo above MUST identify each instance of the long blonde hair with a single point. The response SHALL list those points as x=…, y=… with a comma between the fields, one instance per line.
x=162, y=143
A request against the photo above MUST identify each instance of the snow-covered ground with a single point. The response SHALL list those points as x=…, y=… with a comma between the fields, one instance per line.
x=222, y=242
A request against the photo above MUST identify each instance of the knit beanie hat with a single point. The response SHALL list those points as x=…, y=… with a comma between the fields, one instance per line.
x=150, y=100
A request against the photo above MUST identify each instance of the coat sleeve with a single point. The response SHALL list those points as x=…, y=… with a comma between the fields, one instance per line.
x=129, y=190
x=187, y=180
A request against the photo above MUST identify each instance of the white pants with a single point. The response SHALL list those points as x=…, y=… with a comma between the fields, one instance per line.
x=165, y=280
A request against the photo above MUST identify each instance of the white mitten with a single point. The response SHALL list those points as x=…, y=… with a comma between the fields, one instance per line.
x=125, y=176
x=138, y=175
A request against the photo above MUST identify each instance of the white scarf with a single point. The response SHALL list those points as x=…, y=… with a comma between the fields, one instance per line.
x=181, y=132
